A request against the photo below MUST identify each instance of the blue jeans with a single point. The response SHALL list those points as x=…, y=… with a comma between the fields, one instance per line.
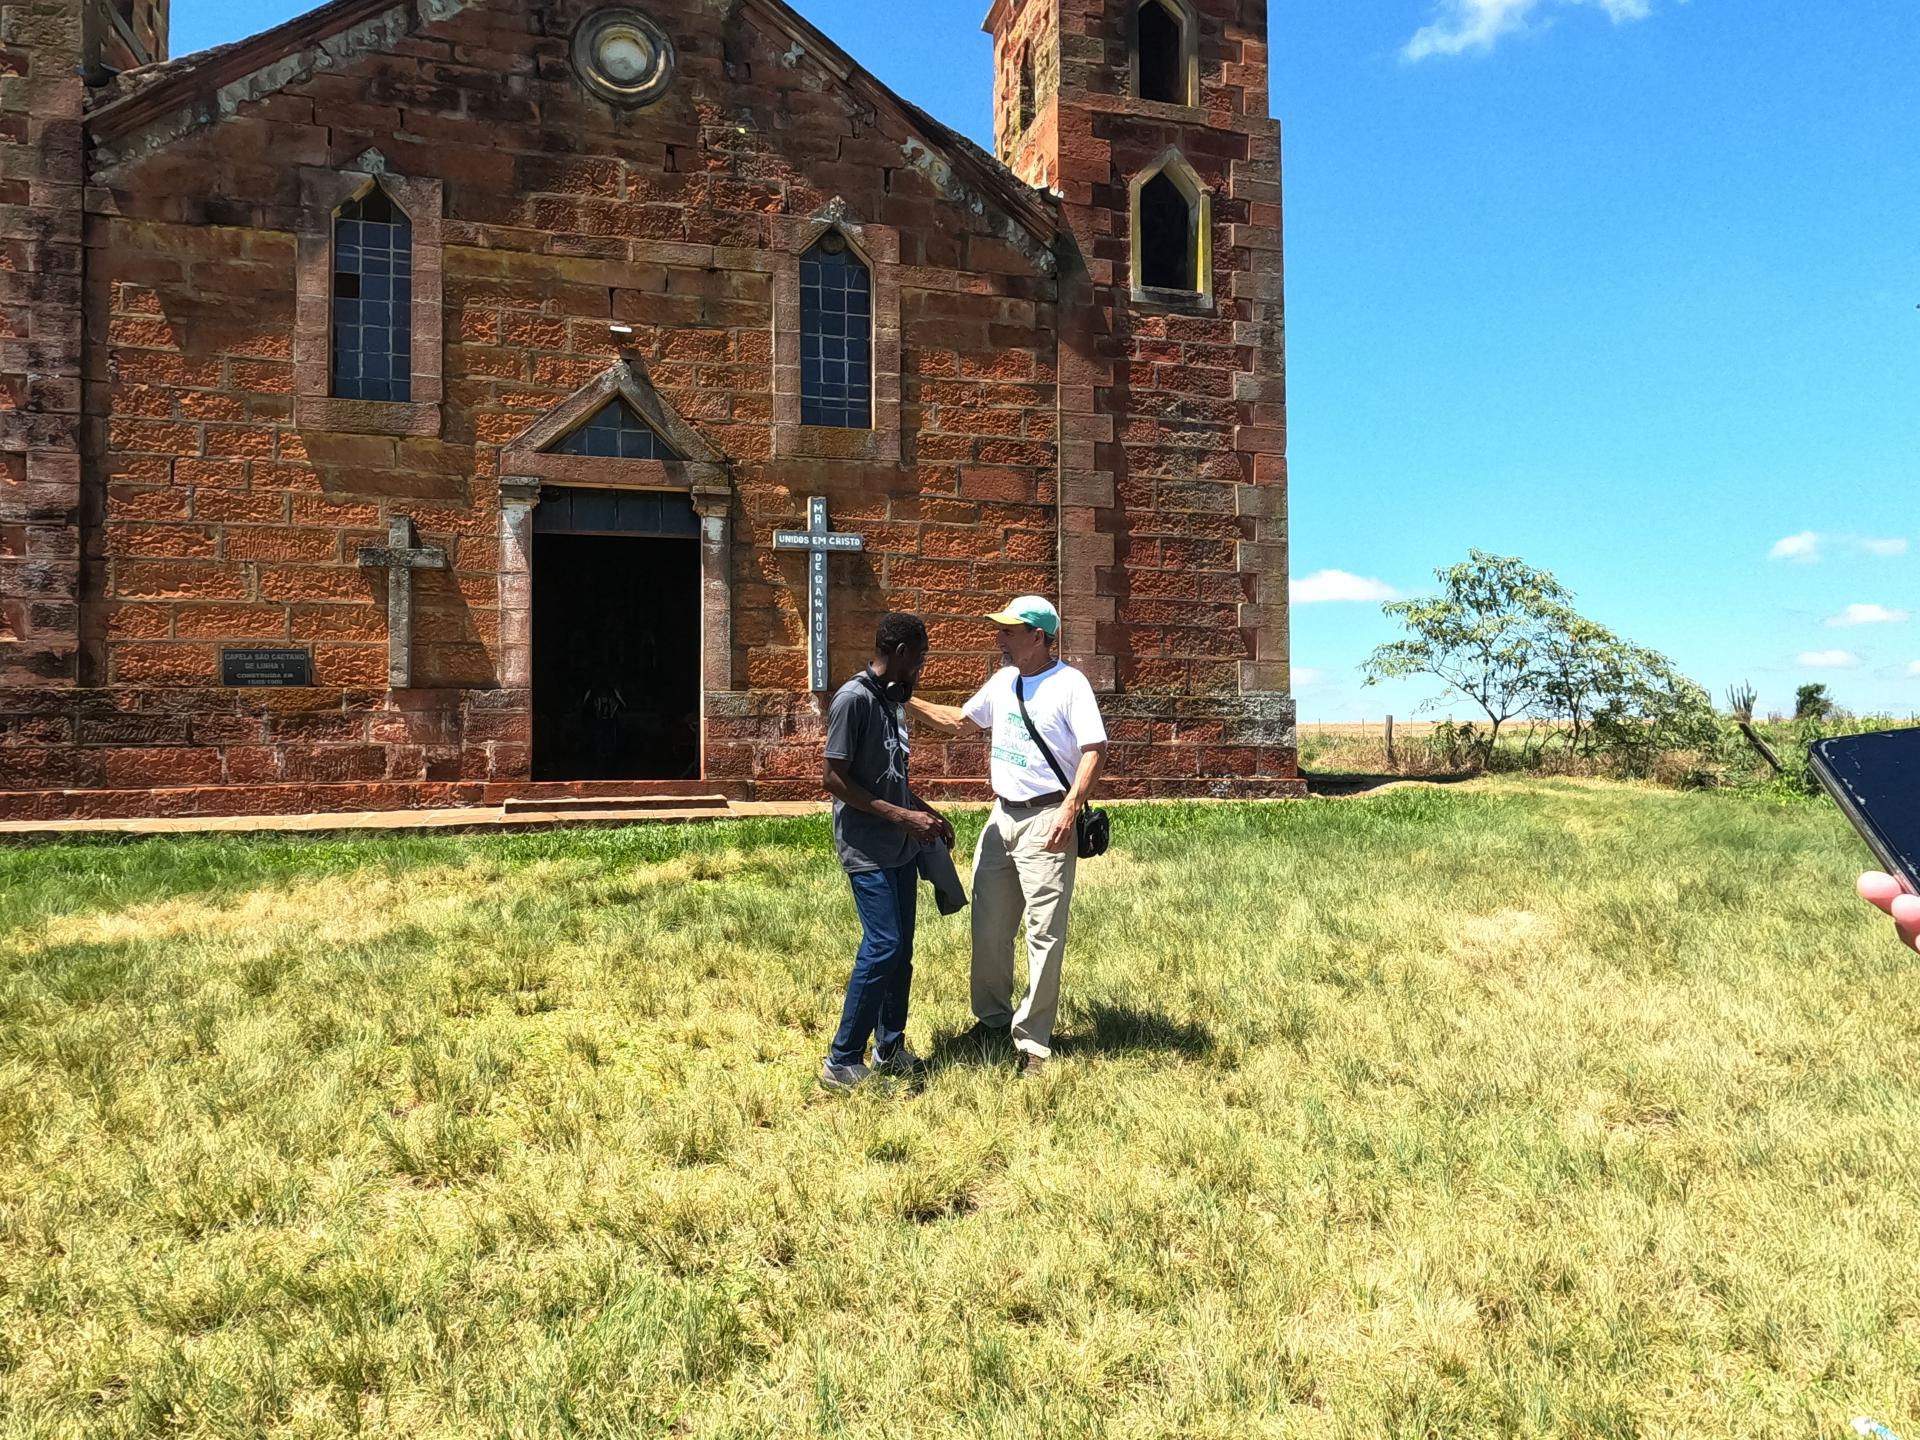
x=883, y=967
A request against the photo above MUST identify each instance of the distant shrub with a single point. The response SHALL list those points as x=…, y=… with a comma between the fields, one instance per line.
x=1811, y=702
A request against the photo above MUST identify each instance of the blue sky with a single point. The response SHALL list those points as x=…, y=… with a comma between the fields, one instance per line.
x=1629, y=288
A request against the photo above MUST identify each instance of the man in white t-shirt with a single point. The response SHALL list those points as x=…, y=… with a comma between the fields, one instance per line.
x=1026, y=857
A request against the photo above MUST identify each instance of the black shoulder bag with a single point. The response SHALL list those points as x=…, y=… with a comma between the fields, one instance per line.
x=1092, y=830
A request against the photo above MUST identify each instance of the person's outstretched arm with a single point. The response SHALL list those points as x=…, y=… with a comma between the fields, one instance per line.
x=947, y=719
x=1888, y=894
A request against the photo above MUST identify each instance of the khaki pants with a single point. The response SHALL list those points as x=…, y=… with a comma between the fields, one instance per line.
x=1014, y=872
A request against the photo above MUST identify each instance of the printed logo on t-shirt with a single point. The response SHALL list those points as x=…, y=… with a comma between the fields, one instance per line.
x=895, y=744
x=1012, y=744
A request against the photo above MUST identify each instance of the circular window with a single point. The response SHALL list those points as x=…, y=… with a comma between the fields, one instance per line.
x=623, y=56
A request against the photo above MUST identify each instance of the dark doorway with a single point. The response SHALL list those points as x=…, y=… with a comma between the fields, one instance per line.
x=616, y=642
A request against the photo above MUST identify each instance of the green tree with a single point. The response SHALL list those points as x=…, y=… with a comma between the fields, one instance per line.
x=1617, y=698
x=1811, y=702
x=1581, y=661
x=1485, y=636
x=1645, y=708
x=1507, y=637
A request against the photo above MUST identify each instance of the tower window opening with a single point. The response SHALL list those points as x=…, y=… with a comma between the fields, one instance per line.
x=1161, y=54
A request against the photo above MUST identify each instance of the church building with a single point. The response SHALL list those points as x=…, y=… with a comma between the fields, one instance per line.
x=449, y=402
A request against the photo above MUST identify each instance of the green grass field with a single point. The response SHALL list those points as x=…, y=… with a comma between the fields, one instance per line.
x=1524, y=1108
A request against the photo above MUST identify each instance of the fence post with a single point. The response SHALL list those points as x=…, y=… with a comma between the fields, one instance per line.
x=1390, y=761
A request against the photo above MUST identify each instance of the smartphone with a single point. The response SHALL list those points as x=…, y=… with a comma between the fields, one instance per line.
x=1875, y=780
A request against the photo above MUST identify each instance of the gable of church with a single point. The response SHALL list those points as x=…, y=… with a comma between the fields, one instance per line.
x=774, y=78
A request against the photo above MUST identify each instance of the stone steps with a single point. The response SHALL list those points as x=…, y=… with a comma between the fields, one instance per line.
x=634, y=804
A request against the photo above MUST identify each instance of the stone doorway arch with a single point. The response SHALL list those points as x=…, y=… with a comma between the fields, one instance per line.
x=687, y=465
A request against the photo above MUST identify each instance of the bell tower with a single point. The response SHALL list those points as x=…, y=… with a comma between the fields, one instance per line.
x=1149, y=119
x=51, y=51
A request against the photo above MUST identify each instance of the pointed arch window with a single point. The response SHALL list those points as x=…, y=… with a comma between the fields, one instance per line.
x=372, y=350
x=367, y=306
x=1027, y=109
x=836, y=336
x=1165, y=52
x=1172, y=232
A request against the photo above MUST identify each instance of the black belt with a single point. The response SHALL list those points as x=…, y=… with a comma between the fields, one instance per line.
x=1037, y=803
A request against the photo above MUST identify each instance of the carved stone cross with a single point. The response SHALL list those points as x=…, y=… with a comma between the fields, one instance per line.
x=819, y=542
x=400, y=557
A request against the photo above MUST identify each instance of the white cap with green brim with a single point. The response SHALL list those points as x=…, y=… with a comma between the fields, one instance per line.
x=1031, y=610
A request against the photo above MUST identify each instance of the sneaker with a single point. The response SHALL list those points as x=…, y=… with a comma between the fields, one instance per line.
x=1032, y=1066
x=843, y=1077
x=900, y=1061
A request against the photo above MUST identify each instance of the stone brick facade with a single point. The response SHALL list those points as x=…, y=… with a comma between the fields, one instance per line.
x=176, y=479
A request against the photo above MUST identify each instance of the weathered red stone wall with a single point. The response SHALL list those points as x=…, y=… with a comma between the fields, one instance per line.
x=213, y=517
x=224, y=522
x=41, y=101
x=1026, y=46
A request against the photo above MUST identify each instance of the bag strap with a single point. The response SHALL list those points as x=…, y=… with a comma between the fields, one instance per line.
x=1058, y=773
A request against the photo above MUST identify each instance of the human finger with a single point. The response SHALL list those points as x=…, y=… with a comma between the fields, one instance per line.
x=1881, y=890
x=1906, y=918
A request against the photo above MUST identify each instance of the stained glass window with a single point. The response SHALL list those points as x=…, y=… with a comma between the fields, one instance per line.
x=836, y=336
x=616, y=432
x=372, y=300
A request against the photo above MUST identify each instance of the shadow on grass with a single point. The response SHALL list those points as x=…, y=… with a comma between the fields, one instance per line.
x=1332, y=783
x=1103, y=1029
x=1110, y=1029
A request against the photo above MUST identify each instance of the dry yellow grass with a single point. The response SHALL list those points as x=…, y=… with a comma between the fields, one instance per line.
x=1514, y=1109
x=1352, y=729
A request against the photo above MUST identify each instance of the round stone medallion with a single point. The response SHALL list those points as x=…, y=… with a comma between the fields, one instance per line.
x=623, y=56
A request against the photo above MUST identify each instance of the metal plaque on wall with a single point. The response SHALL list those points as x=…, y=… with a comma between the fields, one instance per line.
x=266, y=667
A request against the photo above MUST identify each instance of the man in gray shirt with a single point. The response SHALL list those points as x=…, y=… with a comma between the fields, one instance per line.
x=879, y=825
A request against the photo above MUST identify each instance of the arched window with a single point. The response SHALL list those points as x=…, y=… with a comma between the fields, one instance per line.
x=1026, y=90
x=1171, y=229
x=836, y=336
x=1163, y=52
x=372, y=300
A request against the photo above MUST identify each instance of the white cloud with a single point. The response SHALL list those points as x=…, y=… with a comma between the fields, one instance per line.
x=1478, y=25
x=1914, y=668
x=1329, y=585
x=1305, y=675
x=1828, y=659
x=1867, y=615
x=1810, y=545
x=1803, y=548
